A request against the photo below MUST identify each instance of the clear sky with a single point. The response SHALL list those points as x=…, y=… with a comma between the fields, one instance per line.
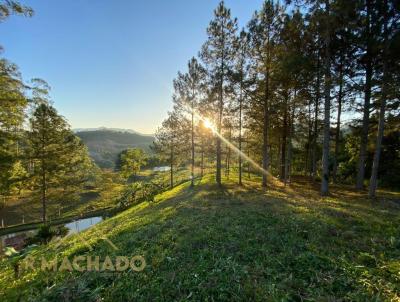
x=111, y=62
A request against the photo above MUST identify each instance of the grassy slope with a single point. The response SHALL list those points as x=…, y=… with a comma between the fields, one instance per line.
x=234, y=244
x=30, y=207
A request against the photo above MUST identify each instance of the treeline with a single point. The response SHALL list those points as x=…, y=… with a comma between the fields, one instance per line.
x=307, y=87
x=39, y=154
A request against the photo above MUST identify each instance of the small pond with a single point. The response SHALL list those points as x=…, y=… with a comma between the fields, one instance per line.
x=162, y=169
x=82, y=224
x=17, y=238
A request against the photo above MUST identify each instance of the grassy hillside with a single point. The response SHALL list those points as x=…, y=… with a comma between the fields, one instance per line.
x=104, y=145
x=233, y=244
x=28, y=205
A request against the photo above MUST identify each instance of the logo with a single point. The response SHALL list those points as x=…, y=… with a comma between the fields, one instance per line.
x=83, y=263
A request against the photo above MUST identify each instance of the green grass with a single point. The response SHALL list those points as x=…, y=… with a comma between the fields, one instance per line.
x=163, y=178
x=29, y=207
x=233, y=244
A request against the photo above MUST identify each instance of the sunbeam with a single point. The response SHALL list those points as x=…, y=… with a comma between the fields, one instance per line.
x=210, y=125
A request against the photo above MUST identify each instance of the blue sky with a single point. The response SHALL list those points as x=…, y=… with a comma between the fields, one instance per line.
x=111, y=63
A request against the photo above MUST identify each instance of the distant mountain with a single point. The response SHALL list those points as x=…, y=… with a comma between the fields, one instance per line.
x=76, y=130
x=105, y=144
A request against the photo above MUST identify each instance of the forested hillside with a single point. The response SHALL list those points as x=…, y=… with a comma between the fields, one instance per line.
x=105, y=145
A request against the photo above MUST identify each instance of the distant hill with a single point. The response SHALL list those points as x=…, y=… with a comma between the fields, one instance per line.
x=76, y=130
x=105, y=144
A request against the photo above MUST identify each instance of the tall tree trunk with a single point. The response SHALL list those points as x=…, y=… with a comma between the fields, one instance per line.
x=288, y=163
x=248, y=155
x=265, y=133
x=171, y=176
x=284, y=138
x=339, y=112
x=218, y=171
x=192, y=146
x=228, y=154
x=316, y=114
x=367, y=101
x=226, y=160
x=288, y=169
x=219, y=126
x=327, y=109
x=278, y=152
x=265, y=158
x=202, y=156
x=44, y=180
x=44, y=185
x=309, y=138
x=375, y=164
x=240, y=132
x=378, y=148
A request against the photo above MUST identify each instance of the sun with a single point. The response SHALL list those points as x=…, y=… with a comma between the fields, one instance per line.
x=208, y=124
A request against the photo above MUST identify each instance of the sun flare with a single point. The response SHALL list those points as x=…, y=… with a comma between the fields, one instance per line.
x=208, y=124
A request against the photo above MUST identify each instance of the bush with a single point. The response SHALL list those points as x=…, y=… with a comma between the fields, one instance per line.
x=138, y=192
x=46, y=233
x=2, y=204
x=61, y=230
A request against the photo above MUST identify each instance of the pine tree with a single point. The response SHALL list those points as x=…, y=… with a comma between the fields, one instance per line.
x=367, y=36
x=292, y=76
x=240, y=83
x=327, y=98
x=10, y=7
x=218, y=54
x=132, y=160
x=390, y=31
x=188, y=87
x=57, y=155
x=344, y=67
x=264, y=29
x=168, y=141
x=77, y=168
x=13, y=103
